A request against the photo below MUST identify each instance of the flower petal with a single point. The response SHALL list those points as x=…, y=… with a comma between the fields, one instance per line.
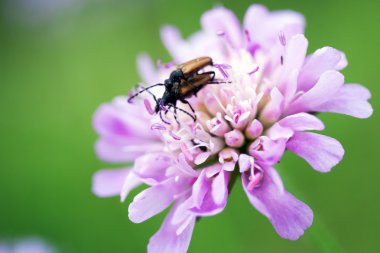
x=246, y=162
x=219, y=188
x=355, y=91
x=289, y=216
x=115, y=151
x=264, y=26
x=167, y=239
x=223, y=20
x=295, y=52
x=177, y=47
x=327, y=86
x=107, y=183
x=131, y=182
x=320, y=61
x=124, y=132
x=320, y=151
x=302, y=122
x=286, y=127
x=151, y=167
x=210, y=195
x=200, y=188
x=147, y=70
x=185, y=167
x=119, y=119
x=274, y=107
x=266, y=150
x=151, y=201
x=349, y=100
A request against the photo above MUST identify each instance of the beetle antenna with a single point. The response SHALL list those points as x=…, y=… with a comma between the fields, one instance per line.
x=145, y=89
x=217, y=82
x=154, y=97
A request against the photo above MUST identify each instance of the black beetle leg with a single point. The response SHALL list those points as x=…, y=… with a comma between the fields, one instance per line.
x=175, y=116
x=194, y=117
x=162, y=119
x=167, y=109
x=188, y=103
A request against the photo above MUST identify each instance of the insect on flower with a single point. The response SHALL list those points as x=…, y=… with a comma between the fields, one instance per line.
x=243, y=129
x=183, y=82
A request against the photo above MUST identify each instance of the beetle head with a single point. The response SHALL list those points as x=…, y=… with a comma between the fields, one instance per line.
x=168, y=84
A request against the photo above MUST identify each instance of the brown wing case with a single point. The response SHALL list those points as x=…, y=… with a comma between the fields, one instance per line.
x=194, y=65
x=194, y=84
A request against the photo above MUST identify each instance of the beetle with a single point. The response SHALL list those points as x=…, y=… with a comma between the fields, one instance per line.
x=184, y=82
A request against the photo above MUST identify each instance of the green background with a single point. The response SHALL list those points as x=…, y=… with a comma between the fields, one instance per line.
x=55, y=69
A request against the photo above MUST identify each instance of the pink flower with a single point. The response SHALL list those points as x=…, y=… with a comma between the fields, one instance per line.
x=243, y=126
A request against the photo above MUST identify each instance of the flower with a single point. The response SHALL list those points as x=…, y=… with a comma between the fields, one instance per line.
x=264, y=104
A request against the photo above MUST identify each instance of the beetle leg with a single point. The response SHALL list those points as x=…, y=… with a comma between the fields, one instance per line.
x=188, y=103
x=194, y=117
x=175, y=116
x=167, y=109
x=162, y=119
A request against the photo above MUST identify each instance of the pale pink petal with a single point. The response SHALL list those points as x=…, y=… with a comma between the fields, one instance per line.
x=120, y=151
x=320, y=61
x=119, y=121
x=124, y=132
x=254, y=129
x=202, y=157
x=182, y=214
x=151, y=167
x=107, y=183
x=264, y=26
x=302, y=122
x=289, y=216
x=167, y=240
x=151, y=202
x=320, y=151
x=288, y=87
x=266, y=150
x=356, y=91
x=200, y=189
x=342, y=63
x=234, y=138
x=349, y=100
x=294, y=58
x=219, y=187
x=185, y=167
x=130, y=183
x=274, y=108
x=210, y=195
x=172, y=39
x=246, y=162
x=221, y=20
x=147, y=70
x=286, y=127
x=295, y=52
x=326, y=87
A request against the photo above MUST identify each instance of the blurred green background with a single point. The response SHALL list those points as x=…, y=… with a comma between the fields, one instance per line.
x=60, y=59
